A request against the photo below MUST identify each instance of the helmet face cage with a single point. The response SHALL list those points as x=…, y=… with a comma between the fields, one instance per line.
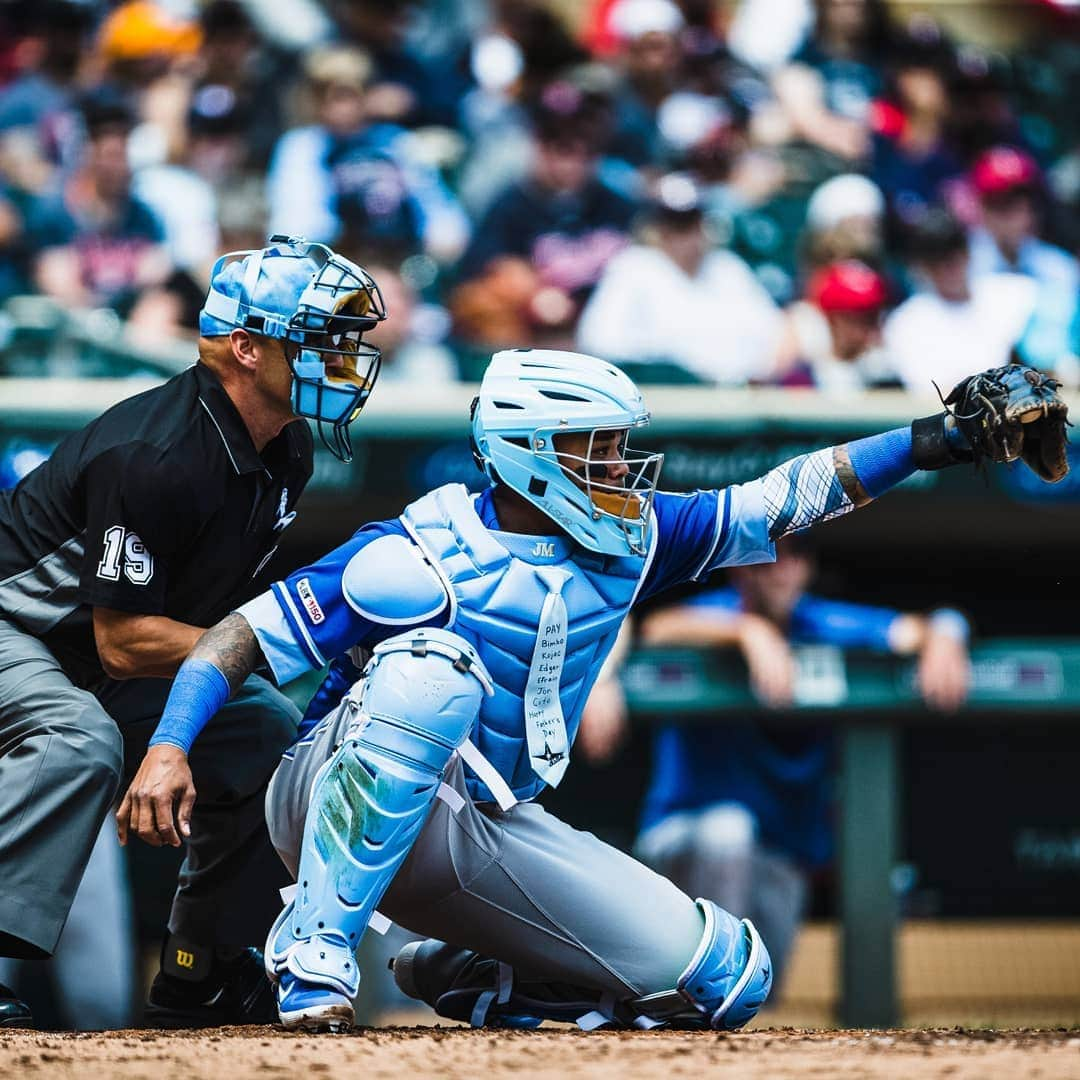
x=627, y=500
x=350, y=304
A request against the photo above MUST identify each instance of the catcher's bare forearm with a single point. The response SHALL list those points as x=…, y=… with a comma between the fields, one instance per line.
x=231, y=646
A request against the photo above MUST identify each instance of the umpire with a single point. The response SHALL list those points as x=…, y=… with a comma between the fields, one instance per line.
x=147, y=526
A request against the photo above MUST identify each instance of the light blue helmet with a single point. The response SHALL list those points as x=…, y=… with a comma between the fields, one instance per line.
x=528, y=397
x=304, y=293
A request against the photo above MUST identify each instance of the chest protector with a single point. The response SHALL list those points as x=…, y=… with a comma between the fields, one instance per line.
x=497, y=599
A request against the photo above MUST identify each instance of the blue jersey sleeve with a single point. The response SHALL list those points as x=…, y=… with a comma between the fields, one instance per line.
x=337, y=683
x=849, y=626
x=705, y=530
x=309, y=617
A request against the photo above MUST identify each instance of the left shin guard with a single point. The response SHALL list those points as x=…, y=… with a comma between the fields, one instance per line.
x=417, y=705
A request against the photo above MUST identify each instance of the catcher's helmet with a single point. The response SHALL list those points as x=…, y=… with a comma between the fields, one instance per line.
x=528, y=397
x=308, y=295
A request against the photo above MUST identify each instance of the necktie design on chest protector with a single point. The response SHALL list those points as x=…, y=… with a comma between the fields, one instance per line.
x=545, y=726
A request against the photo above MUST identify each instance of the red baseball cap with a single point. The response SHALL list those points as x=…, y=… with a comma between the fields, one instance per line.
x=1003, y=168
x=849, y=285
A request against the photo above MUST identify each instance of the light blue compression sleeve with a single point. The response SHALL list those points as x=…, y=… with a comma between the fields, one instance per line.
x=882, y=461
x=198, y=691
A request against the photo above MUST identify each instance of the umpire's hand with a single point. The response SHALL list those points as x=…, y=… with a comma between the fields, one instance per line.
x=157, y=806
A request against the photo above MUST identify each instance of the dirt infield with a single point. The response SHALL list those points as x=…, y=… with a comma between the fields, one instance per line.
x=391, y=1053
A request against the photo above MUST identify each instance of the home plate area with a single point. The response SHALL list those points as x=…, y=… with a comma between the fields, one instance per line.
x=390, y=1053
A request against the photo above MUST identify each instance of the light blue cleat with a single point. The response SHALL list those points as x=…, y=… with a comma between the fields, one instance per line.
x=307, y=1006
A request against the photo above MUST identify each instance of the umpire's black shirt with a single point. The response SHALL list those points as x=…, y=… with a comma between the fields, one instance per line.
x=160, y=506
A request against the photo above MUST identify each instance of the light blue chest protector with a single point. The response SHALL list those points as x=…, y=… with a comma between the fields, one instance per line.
x=497, y=601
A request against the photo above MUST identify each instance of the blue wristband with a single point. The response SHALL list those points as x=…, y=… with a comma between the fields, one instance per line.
x=882, y=461
x=198, y=691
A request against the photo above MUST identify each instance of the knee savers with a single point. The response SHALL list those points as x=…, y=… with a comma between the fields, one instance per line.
x=415, y=706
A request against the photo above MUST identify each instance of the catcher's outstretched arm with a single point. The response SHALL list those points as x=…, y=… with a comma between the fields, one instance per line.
x=999, y=415
x=827, y=483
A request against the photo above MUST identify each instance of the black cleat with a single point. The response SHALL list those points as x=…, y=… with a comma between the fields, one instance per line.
x=236, y=991
x=13, y=1012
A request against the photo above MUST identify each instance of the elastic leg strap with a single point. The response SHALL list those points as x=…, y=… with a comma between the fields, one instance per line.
x=488, y=775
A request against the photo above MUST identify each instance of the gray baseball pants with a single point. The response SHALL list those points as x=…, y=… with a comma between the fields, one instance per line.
x=64, y=755
x=520, y=886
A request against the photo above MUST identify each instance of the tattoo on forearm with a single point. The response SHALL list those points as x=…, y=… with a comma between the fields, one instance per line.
x=232, y=647
x=845, y=472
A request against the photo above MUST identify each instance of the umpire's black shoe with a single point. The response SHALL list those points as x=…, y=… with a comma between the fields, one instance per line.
x=13, y=1012
x=463, y=985
x=197, y=988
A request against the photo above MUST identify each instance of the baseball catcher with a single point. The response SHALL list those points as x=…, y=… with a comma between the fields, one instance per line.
x=411, y=788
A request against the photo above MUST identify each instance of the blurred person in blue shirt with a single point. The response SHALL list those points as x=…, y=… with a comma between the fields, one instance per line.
x=95, y=244
x=743, y=812
x=352, y=178
x=1008, y=182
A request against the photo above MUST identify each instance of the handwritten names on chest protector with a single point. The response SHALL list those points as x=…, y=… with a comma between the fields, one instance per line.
x=545, y=726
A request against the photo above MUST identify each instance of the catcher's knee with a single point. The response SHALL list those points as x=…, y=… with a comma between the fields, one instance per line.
x=422, y=688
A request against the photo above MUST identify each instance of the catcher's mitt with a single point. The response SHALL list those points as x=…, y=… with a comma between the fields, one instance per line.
x=1013, y=412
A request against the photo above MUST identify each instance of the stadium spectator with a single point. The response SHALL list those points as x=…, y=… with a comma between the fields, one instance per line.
x=525, y=47
x=958, y=323
x=48, y=42
x=670, y=299
x=845, y=219
x=96, y=243
x=649, y=55
x=406, y=87
x=351, y=179
x=234, y=57
x=911, y=157
x=412, y=339
x=833, y=336
x=544, y=242
x=743, y=813
x=13, y=269
x=182, y=192
x=1007, y=181
x=829, y=86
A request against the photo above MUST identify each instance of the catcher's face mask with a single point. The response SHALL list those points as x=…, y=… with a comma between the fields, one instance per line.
x=619, y=483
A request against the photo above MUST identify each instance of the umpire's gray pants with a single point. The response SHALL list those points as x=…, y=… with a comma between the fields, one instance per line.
x=64, y=754
x=520, y=886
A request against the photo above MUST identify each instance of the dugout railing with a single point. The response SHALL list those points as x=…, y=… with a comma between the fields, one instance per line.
x=868, y=699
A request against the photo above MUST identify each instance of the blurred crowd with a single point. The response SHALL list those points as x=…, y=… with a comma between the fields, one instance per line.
x=796, y=192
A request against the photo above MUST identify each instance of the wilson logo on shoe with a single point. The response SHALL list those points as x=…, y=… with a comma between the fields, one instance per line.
x=185, y=959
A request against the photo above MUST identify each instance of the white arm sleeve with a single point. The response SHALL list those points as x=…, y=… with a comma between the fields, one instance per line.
x=803, y=491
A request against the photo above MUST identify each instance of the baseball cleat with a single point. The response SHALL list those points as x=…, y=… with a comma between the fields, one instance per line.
x=14, y=1013
x=304, y=1006
x=236, y=991
x=463, y=985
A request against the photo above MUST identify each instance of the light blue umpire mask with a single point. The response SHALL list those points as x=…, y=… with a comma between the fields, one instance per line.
x=319, y=304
